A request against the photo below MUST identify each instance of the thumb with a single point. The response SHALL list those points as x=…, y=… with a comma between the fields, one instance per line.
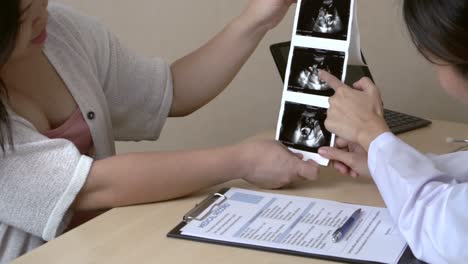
x=308, y=169
x=337, y=154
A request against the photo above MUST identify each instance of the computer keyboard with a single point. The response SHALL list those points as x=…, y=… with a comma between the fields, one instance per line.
x=399, y=122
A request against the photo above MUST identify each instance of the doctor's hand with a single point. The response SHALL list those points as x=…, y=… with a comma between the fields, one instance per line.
x=269, y=164
x=356, y=115
x=267, y=14
x=348, y=158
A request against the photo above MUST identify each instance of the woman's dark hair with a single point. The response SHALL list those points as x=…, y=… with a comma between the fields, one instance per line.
x=9, y=27
x=439, y=28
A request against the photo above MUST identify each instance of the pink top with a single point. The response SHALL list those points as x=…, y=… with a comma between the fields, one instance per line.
x=76, y=130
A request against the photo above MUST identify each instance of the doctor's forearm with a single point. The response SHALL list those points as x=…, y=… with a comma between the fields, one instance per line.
x=205, y=73
x=421, y=199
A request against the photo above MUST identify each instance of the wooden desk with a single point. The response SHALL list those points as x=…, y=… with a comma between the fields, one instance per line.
x=137, y=234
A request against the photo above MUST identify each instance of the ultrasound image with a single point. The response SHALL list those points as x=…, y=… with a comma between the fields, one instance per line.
x=303, y=127
x=305, y=66
x=324, y=18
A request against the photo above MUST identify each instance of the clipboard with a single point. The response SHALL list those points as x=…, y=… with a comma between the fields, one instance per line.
x=217, y=199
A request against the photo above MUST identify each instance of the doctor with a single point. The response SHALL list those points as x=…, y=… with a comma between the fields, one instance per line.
x=427, y=196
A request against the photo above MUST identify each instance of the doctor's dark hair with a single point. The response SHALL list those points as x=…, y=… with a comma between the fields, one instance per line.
x=439, y=29
x=9, y=27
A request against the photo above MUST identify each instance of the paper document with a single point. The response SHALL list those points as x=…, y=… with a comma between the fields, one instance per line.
x=300, y=224
x=325, y=37
x=355, y=56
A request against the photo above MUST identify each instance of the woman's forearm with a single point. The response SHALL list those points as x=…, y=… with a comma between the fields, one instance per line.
x=203, y=74
x=150, y=177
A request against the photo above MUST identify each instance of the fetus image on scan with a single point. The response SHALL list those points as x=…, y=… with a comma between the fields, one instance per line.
x=308, y=131
x=305, y=66
x=303, y=127
x=309, y=77
x=324, y=19
x=328, y=19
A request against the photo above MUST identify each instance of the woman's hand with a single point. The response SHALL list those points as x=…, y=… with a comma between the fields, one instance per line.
x=348, y=158
x=267, y=14
x=271, y=165
x=355, y=115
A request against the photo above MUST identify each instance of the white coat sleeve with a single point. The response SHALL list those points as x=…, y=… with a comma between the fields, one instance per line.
x=427, y=202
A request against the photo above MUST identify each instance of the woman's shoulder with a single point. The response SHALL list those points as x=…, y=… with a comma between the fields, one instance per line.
x=55, y=9
x=62, y=17
x=73, y=34
x=68, y=16
x=72, y=27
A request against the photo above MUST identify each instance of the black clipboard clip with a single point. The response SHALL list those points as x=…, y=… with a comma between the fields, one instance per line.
x=213, y=200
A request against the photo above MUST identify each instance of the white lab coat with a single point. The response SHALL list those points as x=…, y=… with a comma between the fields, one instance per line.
x=426, y=195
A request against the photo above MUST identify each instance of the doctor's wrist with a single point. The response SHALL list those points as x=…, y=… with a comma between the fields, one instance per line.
x=371, y=132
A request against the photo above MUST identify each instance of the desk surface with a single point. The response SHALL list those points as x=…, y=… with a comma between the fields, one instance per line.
x=137, y=234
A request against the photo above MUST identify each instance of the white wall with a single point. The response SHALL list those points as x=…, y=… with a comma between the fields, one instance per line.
x=170, y=29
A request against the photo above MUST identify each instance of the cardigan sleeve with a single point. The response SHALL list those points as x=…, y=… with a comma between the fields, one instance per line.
x=39, y=180
x=138, y=91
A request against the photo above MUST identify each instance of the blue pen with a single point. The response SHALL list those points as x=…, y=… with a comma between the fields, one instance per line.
x=341, y=232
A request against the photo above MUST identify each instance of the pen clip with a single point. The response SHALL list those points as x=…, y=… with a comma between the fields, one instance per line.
x=194, y=214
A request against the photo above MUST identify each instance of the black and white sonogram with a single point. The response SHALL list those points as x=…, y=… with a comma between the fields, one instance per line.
x=303, y=127
x=305, y=66
x=324, y=19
